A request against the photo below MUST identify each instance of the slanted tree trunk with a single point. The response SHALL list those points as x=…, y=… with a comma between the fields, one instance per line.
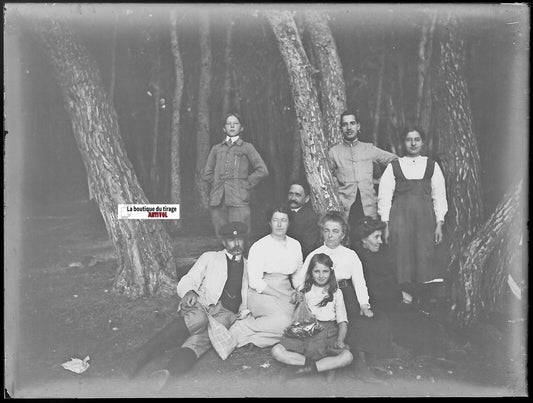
x=175, y=138
x=296, y=153
x=144, y=254
x=473, y=300
x=457, y=144
x=330, y=76
x=202, y=135
x=314, y=143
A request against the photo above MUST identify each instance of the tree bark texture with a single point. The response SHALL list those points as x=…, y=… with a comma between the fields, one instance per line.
x=296, y=170
x=330, y=75
x=457, y=145
x=175, y=138
x=481, y=287
x=202, y=135
x=314, y=143
x=143, y=249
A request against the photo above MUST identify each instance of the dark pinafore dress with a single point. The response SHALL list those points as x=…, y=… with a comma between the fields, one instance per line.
x=412, y=226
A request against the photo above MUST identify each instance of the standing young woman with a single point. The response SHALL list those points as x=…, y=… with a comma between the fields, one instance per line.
x=412, y=203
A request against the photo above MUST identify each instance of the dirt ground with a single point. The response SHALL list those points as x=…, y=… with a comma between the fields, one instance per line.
x=66, y=309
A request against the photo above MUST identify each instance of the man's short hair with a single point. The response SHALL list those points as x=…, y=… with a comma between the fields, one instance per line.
x=347, y=113
x=304, y=185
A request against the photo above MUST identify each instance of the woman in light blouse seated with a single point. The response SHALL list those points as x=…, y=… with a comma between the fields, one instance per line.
x=368, y=329
x=272, y=261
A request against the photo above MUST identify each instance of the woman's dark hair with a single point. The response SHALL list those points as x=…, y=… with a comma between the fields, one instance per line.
x=324, y=259
x=334, y=216
x=227, y=115
x=412, y=128
x=280, y=208
x=366, y=226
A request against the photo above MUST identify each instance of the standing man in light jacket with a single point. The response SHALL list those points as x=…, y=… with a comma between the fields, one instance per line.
x=232, y=169
x=352, y=164
x=218, y=282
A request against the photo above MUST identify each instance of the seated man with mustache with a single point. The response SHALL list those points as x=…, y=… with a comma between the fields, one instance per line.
x=218, y=282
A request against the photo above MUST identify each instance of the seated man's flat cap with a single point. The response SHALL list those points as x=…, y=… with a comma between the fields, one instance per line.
x=233, y=229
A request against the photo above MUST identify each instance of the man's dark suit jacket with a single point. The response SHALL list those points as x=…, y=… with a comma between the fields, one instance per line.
x=303, y=227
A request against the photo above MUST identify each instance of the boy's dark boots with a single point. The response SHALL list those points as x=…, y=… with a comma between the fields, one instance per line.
x=171, y=336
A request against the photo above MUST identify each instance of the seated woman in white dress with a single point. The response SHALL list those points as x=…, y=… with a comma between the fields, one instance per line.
x=272, y=261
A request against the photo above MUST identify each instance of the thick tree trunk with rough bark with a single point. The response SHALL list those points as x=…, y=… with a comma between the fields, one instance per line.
x=202, y=135
x=143, y=249
x=498, y=239
x=457, y=145
x=314, y=143
x=330, y=76
x=175, y=138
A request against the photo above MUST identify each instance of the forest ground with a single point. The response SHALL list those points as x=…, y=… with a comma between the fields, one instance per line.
x=67, y=309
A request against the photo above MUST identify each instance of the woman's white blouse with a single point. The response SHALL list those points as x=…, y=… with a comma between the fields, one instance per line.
x=269, y=255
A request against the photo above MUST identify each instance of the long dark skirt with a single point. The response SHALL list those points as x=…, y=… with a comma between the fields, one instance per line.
x=370, y=335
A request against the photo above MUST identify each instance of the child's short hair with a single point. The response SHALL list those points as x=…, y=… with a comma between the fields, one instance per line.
x=325, y=260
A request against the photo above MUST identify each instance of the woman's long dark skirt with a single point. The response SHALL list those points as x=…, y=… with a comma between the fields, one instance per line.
x=370, y=335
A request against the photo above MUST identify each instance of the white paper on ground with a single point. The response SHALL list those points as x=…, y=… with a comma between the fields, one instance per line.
x=76, y=365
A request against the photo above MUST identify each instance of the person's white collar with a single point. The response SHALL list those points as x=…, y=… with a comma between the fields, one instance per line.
x=296, y=209
x=232, y=139
x=230, y=256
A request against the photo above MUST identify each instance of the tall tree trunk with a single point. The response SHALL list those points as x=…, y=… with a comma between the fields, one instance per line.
x=155, y=81
x=202, y=135
x=423, y=99
x=473, y=301
x=379, y=91
x=330, y=77
x=277, y=167
x=144, y=253
x=227, y=104
x=314, y=144
x=175, y=138
x=456, y=140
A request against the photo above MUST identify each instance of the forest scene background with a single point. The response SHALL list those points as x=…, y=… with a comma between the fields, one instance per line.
x=231, y=60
